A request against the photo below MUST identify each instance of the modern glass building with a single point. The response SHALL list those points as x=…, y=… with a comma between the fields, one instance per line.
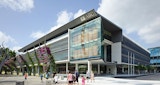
x=155, y=57
x=90, y=42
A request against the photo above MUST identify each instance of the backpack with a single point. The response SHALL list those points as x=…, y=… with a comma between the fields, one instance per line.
x=73, y=77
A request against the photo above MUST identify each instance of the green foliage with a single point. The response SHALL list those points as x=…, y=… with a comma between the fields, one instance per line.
x=52, y=63
x=25, y=63
x=4, y=52
x=140, y=67
x=40, y=69
x=12, y=53
x=31, y=63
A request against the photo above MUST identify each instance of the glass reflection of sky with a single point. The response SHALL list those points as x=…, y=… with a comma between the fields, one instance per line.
x=154, y=51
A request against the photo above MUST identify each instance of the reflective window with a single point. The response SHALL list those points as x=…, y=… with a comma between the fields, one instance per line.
x=59, y=49
x=141, y=56
x=154, y=51
x=85, y=40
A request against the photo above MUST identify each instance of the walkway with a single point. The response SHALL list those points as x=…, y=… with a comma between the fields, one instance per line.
x=32, y=80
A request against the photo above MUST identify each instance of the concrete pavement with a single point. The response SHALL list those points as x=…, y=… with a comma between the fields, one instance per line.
x=32, y=80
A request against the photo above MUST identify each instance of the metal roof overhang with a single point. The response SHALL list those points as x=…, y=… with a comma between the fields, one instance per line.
x=61, y=30
x=116, y=31
x=109, y=25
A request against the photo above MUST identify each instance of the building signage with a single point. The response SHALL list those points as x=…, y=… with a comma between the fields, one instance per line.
x=87, y=16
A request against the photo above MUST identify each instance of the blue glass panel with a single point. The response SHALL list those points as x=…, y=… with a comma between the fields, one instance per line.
x=154, y=51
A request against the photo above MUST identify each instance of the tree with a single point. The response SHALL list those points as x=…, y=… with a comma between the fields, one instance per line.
x=40, y=69
x=52, y=61
x=34, y=72
x=6, y=53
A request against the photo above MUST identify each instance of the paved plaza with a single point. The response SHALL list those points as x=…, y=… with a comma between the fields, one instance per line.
x=32, y=80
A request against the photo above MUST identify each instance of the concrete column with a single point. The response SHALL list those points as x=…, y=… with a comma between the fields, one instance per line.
x=76, y=66
x=133, y=64
x=115, y=70
x=38, y=70
x=128, y=63
x=89, y=66
x=105, y=53
x=106, y=69
x=66, y=67
x=122, y=69
x=32, y=70
x=23, y=71
x=98, y=68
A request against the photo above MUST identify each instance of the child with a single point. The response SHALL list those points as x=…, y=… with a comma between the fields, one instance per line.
x=83, y=80
x=25, y=76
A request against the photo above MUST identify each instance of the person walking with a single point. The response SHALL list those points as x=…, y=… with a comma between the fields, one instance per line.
x=70, y=78
x=88, y=75
x=92, y=76
x=56, y=78
x=76, y=75
x=25, y=76
x=47, y=75
x=41, y=77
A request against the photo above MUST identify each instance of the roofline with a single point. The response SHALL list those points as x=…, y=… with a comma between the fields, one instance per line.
x=92, y=14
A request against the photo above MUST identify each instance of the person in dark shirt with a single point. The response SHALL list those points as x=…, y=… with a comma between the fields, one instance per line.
x=76, y=75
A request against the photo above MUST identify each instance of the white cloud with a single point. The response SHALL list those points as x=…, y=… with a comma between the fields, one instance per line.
x=37, y=34
x=18, y=5
x=6, y=39
x=79, y=13
x=16, y=48
x=63, y=18
x=151, y=32
x=140, y=17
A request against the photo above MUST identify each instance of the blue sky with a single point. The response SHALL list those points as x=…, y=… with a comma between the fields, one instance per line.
x=24, y=21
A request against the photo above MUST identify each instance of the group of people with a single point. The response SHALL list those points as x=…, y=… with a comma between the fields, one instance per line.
x=73, y=78
x=54, y=75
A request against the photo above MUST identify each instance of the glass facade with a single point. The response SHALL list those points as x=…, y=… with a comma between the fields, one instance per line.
x=141, y=56
x=85, y=40
x=59, y=49
x=155, y=56
x=154, y=52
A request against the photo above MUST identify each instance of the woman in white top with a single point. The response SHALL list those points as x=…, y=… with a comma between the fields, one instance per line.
x=92, y=76
x=56, y=78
